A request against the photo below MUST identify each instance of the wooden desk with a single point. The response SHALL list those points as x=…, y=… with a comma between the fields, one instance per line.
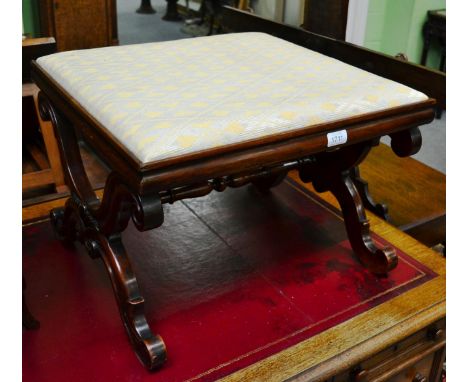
x=395, y=341
x=216, y=293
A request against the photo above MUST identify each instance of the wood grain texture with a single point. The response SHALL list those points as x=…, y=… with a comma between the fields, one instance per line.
x=79, y=24
x=38, y=156
x=37, y=179
x=413, y=191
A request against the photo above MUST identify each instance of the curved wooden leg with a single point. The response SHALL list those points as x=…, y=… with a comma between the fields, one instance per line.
x=362, y=186
x=407, y=142
x=379, y=261
x=97, y=225
x=330, y=171
x=149, y=348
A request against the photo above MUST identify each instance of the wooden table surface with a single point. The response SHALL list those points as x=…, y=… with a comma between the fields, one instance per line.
x=413, y=191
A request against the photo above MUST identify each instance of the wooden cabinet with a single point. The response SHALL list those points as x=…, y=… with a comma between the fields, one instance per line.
x=326, y=17
x=79, y=24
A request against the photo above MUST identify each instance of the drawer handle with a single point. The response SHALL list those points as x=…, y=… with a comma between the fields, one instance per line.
x=435, y=333
x=419, y=378
x=358, y=374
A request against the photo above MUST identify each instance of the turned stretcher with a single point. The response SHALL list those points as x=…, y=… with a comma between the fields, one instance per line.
x=251, y=108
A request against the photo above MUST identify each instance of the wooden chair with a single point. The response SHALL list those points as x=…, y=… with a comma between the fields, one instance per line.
x=44, y=151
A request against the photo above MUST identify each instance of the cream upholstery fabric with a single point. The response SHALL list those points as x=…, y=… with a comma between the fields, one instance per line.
x=171, y=98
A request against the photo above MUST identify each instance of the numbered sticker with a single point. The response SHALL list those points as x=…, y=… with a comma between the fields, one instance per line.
x=337, y=138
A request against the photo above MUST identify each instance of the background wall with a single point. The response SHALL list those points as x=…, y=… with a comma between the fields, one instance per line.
x=395, y=26
x=30, y=18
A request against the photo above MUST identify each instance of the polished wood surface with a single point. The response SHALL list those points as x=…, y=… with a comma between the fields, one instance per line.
x=37, y=179
x=414, y=192
x=79, y=24
x=331, y=172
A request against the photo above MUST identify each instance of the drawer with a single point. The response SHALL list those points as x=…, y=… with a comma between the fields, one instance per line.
x=416, y=358
x=418, y=372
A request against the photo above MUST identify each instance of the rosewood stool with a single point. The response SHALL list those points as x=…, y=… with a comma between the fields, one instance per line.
x=249, y=108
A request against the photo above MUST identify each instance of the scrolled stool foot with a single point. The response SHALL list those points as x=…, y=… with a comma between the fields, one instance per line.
x=150, y=351
x=381, y=261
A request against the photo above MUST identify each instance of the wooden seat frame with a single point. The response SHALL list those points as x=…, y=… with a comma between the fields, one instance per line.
x=137, y=191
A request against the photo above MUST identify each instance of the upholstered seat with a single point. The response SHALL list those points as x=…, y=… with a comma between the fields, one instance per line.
x=167, y=99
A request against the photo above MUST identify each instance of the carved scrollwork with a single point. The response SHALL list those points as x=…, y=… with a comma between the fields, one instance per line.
x=149, y=348
x=75, y=174
x=362, y=186
x=330, y=171
x=263, y=178
x=46, y=110
x=406, y=142
x=119, y=204
x=98, y=226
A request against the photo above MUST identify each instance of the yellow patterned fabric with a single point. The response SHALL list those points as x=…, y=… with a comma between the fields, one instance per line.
x=167, y=99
